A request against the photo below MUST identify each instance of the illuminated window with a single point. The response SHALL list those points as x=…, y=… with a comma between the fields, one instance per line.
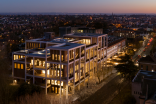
x=19, y=56
x=43, y=63
x=61, y=83
x=62, y=58
x=55, y=56
x=43, y=71
x=48, y=64
x=21, y=66
x=58, y=73
x=31, y=61
x=58, y=65
x=62, y=66
x=14, y=57
x=55, y=82
x=18, y=66
x=61, y=74
x=59, y=57
x=58, y=82
x=48, y=72
x=52, y=56
x=52, y=81
x=15, y=65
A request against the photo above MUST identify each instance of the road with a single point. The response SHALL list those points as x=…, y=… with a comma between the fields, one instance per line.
x=141, y=51
x=103, y=95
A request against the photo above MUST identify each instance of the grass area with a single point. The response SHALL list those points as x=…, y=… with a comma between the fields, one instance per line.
x=119, y=98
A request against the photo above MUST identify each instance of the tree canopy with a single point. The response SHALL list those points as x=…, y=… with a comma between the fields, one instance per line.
x=128, y=69
x=25, y=89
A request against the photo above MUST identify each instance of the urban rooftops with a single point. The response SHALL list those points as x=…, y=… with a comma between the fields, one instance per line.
x=142, y=74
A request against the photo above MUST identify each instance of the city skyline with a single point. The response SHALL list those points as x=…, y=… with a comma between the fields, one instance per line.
x=85, y=6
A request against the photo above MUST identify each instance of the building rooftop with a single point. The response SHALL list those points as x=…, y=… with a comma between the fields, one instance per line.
x=113, y=40
x=40, y=53
x=147, y=80
x=66, y=46
x=84, y=34
x=142, y=74
x=148, y=59
x=55, y=40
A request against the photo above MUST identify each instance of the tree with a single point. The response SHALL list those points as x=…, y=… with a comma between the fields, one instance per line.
x=36, y=98
x=99, y=72
x=128, y=69
x=28, y=89
x=6, y=90
x=125, y=58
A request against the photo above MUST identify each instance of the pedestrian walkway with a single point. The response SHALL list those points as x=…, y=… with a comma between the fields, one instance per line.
x=84, y=92
x=92, y=87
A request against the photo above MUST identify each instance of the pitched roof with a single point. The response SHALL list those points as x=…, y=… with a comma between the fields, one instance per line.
x=148, y=59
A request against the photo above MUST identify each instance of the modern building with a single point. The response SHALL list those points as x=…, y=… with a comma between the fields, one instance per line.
x=115, y=45
x=144, y=87
x=60, y=65
x=81, y=29
x=126, y=33
x=64, y=30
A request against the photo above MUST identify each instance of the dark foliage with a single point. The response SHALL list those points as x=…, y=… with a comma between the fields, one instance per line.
x=28, y=89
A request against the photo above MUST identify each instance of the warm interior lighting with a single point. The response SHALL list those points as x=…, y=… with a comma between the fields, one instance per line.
x=48, y=72
x=116, y=63
x=43, y=71
x=14, y=81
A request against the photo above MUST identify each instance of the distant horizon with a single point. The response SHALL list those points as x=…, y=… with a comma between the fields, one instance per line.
x=58, y=13
x=79, y=6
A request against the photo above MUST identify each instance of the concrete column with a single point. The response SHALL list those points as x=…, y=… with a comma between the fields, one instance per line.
x=33, y=71
x=60, y=92
x=85, y=65
x=79, y=73
x=46, y=70
x=68, y=65
x=101, y=43
x=74, y=74
x=46, y=86
x=25, y=68
x=89, y=62
x=13, y=65
x=67, y=91
x=60, y=65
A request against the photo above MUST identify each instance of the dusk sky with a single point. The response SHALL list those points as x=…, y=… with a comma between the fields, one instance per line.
x=79, y=6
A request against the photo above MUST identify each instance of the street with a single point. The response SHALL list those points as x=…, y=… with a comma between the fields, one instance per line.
x=143, y=51
x=104, y=95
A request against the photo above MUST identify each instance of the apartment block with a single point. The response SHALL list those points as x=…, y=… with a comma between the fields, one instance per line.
x=60, y=65
x=143, y=87
x=115, y=45
x=147, y=63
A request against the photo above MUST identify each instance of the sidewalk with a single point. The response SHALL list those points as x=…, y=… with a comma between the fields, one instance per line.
x=85, y=92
